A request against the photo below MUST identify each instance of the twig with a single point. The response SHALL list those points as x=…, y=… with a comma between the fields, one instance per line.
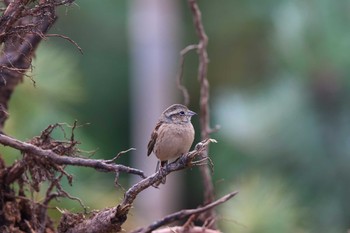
x=189, y=223
x=204, y=101
x=66, y=38
x=119, y=154
x=184, y=214
x=179, y=77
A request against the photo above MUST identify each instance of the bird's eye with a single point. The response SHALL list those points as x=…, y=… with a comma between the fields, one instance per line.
x=182, y=113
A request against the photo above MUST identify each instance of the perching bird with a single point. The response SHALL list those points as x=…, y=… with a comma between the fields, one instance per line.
x=173, y=134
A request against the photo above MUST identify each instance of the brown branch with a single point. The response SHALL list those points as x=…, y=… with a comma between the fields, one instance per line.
x=108, y=220
x=184, y=214
x=98, y=164
x=181, y=163
x=111, y=219
x=204, y=103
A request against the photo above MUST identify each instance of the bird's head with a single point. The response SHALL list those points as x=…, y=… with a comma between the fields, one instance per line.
x=178, y=113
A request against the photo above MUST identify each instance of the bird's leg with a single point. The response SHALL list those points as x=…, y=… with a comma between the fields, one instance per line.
x=161, y=170
x=162, y=166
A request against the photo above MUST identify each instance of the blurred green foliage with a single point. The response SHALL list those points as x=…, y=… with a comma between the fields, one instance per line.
x=264, y=203
x=280, y=91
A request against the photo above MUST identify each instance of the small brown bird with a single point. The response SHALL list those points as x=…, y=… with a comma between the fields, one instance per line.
x=173, y=134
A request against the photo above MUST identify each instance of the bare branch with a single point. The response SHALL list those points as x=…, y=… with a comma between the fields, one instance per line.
x=111, y=219
x=204, y=102
x=101, y=221
x=98, y=164
x=183, y=162
x=184, y=214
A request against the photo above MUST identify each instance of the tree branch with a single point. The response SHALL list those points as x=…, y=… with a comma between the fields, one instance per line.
x=184, y=214
x=98, y=164
x=111, y=219
x=204, y=103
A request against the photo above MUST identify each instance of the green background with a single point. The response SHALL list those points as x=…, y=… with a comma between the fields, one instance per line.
x=279, y=90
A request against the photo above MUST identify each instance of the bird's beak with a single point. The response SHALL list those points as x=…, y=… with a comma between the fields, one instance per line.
x=190, y=113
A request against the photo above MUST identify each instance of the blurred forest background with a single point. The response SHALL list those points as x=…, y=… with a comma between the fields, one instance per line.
x=279, y=89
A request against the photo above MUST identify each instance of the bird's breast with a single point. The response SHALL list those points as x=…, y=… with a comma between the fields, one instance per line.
x=174, y=140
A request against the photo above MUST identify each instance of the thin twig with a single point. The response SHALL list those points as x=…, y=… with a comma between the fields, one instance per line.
x=179, y=77
x=66, y=38
x=119, y=154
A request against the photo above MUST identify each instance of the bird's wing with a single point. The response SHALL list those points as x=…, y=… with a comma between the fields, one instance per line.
x=153, y=139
